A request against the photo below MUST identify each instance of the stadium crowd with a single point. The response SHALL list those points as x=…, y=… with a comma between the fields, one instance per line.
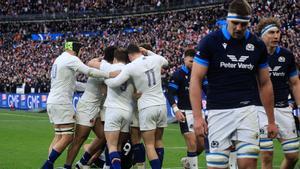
x=24, y=61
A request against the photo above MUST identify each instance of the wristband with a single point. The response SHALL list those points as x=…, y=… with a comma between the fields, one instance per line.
x=175, y=109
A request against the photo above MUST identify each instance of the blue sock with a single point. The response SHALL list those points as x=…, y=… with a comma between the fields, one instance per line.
x=139, y=154
x=99, y=163
x=115, y=160
x=85, y=158
x=192, y=154
x=66, y=166
x=47, y=165
x=155, y=164
x=160, y=152
x=107, y=159
x=51, y=159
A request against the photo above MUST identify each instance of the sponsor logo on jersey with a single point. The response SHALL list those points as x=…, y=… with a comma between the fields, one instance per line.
x=250, y=47
x=214, y=144
x=237, y=63
x=274, y=71
x=281, y=59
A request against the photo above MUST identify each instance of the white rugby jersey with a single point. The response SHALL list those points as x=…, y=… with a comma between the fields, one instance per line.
x=92, y=93
x=119, y=96
x=63, y=77
x=145, y=72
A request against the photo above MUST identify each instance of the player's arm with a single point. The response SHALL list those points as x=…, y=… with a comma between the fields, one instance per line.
x=294, y=81
x=164, y=61
x=94, y=63
x=79, y=86
x=199, y=71
x=118, y=80
x=171, y=93
x=267, y=98
x=77, y=65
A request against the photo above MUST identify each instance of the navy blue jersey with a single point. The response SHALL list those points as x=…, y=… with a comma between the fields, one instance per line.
x=232, y=68
x=282, y=66
x=179, y=86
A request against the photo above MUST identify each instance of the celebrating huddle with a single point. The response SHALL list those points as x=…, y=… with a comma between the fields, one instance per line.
x=247, y=81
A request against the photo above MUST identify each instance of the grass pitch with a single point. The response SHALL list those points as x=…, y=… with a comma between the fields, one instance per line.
x=25, y=137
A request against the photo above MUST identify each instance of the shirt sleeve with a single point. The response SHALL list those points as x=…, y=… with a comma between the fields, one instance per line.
x=203, y=52
x=263, y=58
x=173, y=88
x=163, y=61
x=120, y=79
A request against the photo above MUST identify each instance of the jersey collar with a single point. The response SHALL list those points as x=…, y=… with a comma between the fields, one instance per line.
x=185, y=69
x=228, y=36
x=277, y=50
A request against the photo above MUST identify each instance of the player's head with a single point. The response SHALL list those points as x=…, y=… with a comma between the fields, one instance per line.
x=121, y=55
x=238, y=18
x=109, y=53
x=73, y=45
x=269, y=30
x=133, y=52
x=188, y=57
x=147, y=46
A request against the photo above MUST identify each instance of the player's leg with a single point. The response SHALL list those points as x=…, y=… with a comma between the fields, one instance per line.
x=81, y=134
x=265, y=143
x=149, y=141
x=112, y=138
x=288, y=136
x=159, y=146
x=54, y=141
x=138, y=148
x=247, y=138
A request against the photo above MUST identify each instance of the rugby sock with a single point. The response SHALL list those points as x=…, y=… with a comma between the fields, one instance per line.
x=160, y=152
x=66, y=166
x=115, y=160
x=107, y=160
x=155, y=164
x=99, y=162
x=192, y=160
x=139, y=154
x=85, y=158
x=51, y=159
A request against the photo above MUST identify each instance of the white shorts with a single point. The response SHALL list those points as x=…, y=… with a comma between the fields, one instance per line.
x=61, y=114
x=229, y=125
x=188, y=125
x=102, y=114
x=87, y=113
x=153, y=117
x=135, y=119
x=117, y=120
x=283, y=118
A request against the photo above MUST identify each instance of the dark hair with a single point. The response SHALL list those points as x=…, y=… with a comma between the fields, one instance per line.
x=267, y=21
x=240, y=7
x=147, y=46
x=132, y=48
x=121, y=55
x=190, y=53
x=109, y=53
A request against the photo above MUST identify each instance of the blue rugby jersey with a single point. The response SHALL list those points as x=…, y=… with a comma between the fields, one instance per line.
x=232, y=68
x=282, y=67
x=179, y=86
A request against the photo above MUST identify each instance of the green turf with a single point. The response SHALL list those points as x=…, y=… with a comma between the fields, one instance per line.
x=25, y=137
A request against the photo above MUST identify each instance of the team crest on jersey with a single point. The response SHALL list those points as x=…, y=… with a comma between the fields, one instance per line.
x=224, y=45
x=250, y=47
x=281, y=59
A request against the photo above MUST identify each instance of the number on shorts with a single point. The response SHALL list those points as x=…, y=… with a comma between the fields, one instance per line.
x=127, y=148
x=151, y=77
x=53, y=71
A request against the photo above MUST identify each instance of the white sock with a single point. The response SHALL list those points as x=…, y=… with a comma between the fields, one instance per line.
x=233, y=160
x=193, y=162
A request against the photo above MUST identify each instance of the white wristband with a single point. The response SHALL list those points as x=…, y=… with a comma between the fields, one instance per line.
x=175, y=109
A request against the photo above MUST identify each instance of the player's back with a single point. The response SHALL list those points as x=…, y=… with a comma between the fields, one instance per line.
x=63, y=79
x=119, y=97
x=146, y=74
x=92, y=93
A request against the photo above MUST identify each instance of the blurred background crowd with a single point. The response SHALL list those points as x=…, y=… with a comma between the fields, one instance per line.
x=27, y=61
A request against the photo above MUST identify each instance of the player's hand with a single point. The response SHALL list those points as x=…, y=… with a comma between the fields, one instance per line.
x=144, y=51
x=114, y=73
x=95, y=63
x=179, y=116
x=137, y=95
x=200, y=127
x=272, y=130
